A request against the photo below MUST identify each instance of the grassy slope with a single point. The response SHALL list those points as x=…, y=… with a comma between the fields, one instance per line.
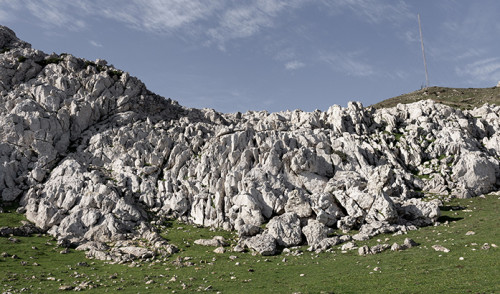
x=464, y=98
x=417, y=270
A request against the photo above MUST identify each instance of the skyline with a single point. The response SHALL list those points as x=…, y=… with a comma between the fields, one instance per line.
x=273, y=55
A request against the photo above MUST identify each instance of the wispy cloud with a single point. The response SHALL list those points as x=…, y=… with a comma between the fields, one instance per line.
x=348, y=63
x=159, y=16
x=374, y=11
x=245, y=21
x=485, y=70
x=58, y=13
x=293, y=65
x=95, y=44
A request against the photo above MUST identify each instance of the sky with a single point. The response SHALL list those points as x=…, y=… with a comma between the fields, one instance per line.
x=272, y=55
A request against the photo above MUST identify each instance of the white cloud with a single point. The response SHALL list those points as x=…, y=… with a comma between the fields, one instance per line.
x=374, y=11
x=245, y=21
x=293, y=65
x=158, y=16
x=95, y=44
x=7, y=6
x=58, y=13
x=348, y=63
x=485, y=70
x=472, y=52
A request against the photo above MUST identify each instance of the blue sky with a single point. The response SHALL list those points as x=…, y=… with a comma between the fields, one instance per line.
x=272, y=54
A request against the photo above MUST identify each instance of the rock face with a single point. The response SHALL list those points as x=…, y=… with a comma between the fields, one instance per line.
x=93, y=156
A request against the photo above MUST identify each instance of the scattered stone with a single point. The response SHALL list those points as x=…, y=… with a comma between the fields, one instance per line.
x=396, y=247
x=219, y=250
x=440, y=248
x=216, y=241
x=409, y=243
x=238, y=249
x=66, y=288
x=364, y=250
x=349, y=246
x=379, y=248
x=82, y=263
x=469, y=233
x=485, y=246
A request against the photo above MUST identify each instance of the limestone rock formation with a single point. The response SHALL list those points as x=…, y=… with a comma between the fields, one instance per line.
x=93, y=157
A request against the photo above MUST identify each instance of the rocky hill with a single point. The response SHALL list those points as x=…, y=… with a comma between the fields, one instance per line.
x=96, y=160
x=462, y=98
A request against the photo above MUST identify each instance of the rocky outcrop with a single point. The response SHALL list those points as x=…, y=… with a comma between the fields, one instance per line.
x=93, y=156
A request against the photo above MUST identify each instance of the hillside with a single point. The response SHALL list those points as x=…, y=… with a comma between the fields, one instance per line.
x=462, y=98
x=99, y=162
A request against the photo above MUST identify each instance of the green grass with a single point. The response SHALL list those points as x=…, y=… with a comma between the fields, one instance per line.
x=417, y=270
x=10, y=218
x=462, y=98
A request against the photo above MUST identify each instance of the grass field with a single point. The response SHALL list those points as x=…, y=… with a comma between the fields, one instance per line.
x=465, y=269
x=463, y=98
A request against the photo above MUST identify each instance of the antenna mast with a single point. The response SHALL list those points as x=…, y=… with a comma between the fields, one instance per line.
x=423, y=52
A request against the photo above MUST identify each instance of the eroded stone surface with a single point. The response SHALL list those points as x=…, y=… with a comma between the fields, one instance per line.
x=89, y=152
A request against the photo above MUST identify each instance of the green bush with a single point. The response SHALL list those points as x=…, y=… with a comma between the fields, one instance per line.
x=113, y=73
x=21, y=58
x=49, y=60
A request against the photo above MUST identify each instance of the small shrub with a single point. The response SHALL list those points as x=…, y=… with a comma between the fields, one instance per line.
x=113, y=73
x=398, y=136
x=342, y=155
x=5, y=49
x=21, y=58
x=50, y=60
x=89, y=63
x=99, y=68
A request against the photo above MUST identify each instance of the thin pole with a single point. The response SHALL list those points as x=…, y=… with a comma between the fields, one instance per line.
x=423, y=52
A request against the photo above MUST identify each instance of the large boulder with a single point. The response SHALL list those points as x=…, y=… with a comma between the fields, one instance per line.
x=476, y=173
x=285, y=229
x=315, y=232
x=264, y=244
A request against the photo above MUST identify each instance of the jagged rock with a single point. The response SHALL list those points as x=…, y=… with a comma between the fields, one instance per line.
x=420, y=213
x=477, y=173
x=136, y=252
x=315, y=232
x=298, y=204
x=285, y=229
x=248, y=230
x=264, y=244
x=88, y=152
